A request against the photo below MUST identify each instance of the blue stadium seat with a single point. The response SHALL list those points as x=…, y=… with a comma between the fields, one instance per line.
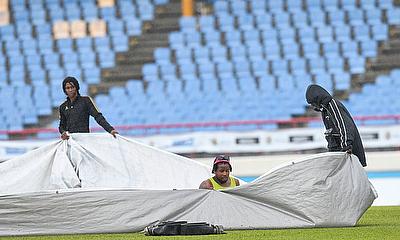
x=269, y=35
x=192, y=86
x=24, y=30
x=325, y=34
x=385, y=4
x=379, y=32
x=291, y=50
x=272, y=51
x=355, y=17
x=373, y=16
x=279, y=66
x=108, y=13
x=211, y=37
x=51, y=60
x=183, y=53
x=330, y=5
x=369, y=48
x=361, y=33
x=102, y=44
x=162, y=55
x=149, y=70
x=193, y=38
x=281, y=18
x=316, y=65
x=313, y=4
x=106, y=59
x=218, y=52
x=356, y=64
x=298, y=66
x=306, y=35
x=286, y=34
x=342, y=33
x=251, y=35
x=176, y=40
x=33, y=60
x=255, y=52
x=38, y=76
x=316, y=18
x=134, y=87
x=242, y=67
x=84, y=44
x=133, y=27
x=12, y=46
x=349, y=49
x=334, y=64
x=45, y=45
x=258, y=7
x=393, y=16
x=72, y=11
x=115, y=27
x=87, y=59
x=245, y=21
x=336, y=17
x=167, y=70
x=187, y=23
x=89, y=11
x=299, y=19
x=294, y=6
x=55, y=75
x=173, y=87
x=266, y=84
x=263, y=21
x=64, y=45
x=16, y=61
x=275, y=6
x=206, y=23
x=21, y=15
x=17, y=76
x=330, y=49
x=221, y=6
x=201, y=53
x=29, y=47
x=348, y=4
x=311, y=50
x=260, y=68
x=187, y=69
x=226, y=22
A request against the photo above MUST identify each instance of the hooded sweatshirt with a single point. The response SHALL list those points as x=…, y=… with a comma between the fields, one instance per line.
x=341, y=131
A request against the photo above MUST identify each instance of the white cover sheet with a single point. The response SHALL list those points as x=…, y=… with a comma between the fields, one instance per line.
x=94, y=183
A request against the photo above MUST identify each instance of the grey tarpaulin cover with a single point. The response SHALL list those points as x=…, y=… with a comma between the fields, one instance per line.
x=94, y=183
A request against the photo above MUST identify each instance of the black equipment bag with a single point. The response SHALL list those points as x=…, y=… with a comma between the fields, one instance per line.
x=169, y=228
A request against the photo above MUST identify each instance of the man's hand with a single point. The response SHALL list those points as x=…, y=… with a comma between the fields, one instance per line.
x=64, y=136
x=349, y=151
x=114, y=133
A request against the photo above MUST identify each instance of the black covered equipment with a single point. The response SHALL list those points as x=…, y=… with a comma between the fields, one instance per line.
x=170, y=228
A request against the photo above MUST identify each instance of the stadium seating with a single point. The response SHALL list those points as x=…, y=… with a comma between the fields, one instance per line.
x=265, y=48
x=43, y=41
x=247, y=60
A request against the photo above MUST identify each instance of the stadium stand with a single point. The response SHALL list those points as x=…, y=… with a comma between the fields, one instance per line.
x=247, y=60
x=43, y=41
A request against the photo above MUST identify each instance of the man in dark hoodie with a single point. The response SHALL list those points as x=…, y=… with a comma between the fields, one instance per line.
x=341, y=131
x=75, y=111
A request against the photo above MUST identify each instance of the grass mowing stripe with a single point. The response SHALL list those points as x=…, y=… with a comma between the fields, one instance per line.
x=377, y=223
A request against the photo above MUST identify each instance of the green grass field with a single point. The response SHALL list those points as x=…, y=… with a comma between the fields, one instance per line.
x=377, y=223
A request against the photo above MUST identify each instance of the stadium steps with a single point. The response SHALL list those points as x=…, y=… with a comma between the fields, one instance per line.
x=129, y=64
x=155, y=34
x=388, y=59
